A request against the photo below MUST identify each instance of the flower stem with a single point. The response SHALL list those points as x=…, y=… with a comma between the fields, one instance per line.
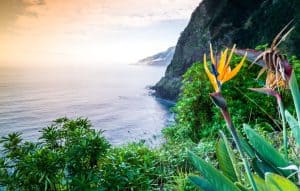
x=237, y=141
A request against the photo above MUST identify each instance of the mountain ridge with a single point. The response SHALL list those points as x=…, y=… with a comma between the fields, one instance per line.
x=160, y=59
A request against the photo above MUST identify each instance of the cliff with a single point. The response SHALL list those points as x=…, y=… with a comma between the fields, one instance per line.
x=224, y=22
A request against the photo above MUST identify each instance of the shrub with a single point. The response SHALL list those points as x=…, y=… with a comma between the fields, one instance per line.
x=65, y=159
x=132, y=167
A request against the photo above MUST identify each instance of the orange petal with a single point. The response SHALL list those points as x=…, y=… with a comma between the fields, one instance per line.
x=211, y=77
x=230, y=56
x=234, y=72
x=222, y=61
x=222, y=69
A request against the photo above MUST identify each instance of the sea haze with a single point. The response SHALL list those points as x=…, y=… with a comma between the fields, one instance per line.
x=115, y=100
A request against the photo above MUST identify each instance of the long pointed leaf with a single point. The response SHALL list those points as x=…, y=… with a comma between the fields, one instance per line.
x=246, y=147
x=280, y=183
x=261, y=167
x=217, y=180
x=294, y=125
x=201, y=182
x=261, y=184
x=266, y=151
x=226, y=159
x=295, y=93
x=241, y=187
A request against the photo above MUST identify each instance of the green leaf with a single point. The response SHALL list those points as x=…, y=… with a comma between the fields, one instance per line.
x=266, y=151
x=201, y=182
x=261, y=184
x=294, y=125
x=295, y=93
x=218, y=181
x=246, y=147
x=279, y=183
x=261, y=167
x=241, y=187
x=226, y=159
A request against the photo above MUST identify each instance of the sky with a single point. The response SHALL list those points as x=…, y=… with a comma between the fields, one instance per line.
x=45, y=32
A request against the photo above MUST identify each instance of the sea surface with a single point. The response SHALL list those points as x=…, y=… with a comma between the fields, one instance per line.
x=115, y=99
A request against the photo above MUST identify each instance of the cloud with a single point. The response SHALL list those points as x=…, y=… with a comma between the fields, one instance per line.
x=84, y=28
x=103, y=13
x=10, y=10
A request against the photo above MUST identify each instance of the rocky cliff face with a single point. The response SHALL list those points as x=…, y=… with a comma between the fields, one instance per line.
x=224, y=22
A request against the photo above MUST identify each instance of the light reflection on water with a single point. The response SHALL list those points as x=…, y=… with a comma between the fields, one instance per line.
x=114, y=99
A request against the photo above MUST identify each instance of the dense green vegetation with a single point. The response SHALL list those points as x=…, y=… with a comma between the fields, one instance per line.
x=196, y=118
x=263, y=166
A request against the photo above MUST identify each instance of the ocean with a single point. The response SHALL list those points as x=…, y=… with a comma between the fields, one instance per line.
x=115, y=99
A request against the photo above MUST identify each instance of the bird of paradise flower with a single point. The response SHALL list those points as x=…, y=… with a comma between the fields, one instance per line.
x=220, y=73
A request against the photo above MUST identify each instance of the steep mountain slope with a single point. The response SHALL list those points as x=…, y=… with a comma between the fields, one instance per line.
x=224, y=22
x=160, y=59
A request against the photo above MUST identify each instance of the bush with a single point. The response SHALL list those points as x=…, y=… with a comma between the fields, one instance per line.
x=131, y=167
x=65, y=158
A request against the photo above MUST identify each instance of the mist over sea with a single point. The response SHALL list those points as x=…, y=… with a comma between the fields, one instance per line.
x=114, y=99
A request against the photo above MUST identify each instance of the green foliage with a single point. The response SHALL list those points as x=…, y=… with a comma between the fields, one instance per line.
x=295, y=62
x=262, y=47
x=266, y=152
x=293, y=84
x=132, y=167
x=265, y=165
x=215, y=179
x=70, y=155
x=294, y=125
x=196, y=117
x=274, y=182
x=65, y=158
x=273, y=169
x=201, y=182
x=182, y=183
x=193, y=110
x=226, y=159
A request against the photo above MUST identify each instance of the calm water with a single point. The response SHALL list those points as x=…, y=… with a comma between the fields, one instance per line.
x=115, y=100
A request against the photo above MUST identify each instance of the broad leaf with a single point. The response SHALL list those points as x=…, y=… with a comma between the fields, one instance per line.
x=242, y=187
x=295, y=93
x=217, y=180
x=260, y=183
x=294, y=125
x=261, y=167
x=226, y=159
x=266, y=151
x=279, y=183
x=246, y=147
x=201, y=182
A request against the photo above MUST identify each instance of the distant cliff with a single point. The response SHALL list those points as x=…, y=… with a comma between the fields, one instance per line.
x=224, y=22
x=161, y=59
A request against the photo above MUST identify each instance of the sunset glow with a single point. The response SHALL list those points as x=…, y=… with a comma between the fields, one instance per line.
x=41, y=32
